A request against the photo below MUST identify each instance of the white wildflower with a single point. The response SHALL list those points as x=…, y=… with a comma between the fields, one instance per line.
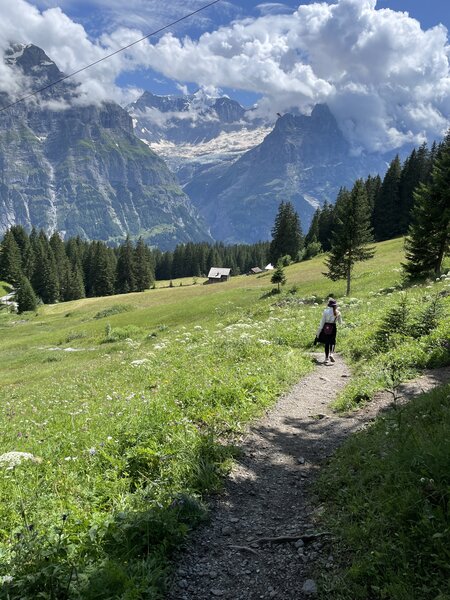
x=13, y=459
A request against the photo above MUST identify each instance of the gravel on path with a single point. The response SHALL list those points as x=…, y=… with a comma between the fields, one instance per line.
x=266, y=496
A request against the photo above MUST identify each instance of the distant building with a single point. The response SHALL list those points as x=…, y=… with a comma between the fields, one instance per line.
x=255, y=271
x=217, y=275
x=269, y=267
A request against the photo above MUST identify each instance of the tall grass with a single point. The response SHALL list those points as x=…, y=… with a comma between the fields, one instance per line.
x=133, y=417
x=132, y=406
x=387, y=495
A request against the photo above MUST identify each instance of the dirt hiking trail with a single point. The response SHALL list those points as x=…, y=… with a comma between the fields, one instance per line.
x=267, y=496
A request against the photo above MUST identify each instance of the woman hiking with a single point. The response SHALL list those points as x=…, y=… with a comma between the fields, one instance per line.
x=326, y=332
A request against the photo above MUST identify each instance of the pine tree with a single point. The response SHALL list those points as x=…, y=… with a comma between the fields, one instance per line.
x=352, y=235
x=125, y=270
x=103, y=271
x=386, y=223
x=278, y=276
x=428, y=240
x=287, y=238
x=10, y=260
x=143, y=265
x=327, y=221
x=25, y=296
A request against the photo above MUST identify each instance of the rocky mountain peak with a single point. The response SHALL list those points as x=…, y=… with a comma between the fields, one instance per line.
x=80, y=169
x=33, y=62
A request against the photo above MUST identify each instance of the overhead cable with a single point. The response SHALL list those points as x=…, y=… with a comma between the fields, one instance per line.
x=49, y=85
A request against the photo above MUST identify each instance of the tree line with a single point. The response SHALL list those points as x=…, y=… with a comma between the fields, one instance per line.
x=389, y=200
x=53, y=270
x=413, y=198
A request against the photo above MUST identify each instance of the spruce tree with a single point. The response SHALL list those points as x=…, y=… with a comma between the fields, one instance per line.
x=313, y=232
x=103, y=272
x=428, y=240
x=278, y=276
x=327, y=220
x=352, y=235
x=22, y=239
x=125, y=270
x=10, y=260
x=178, y=262
x=386, y=223
x=44, y=278
x=415, y=170
x=61, y=262
x=74, y=287
x=25, y=296
x=287, y=238
x=143, y=266
x=373, y=186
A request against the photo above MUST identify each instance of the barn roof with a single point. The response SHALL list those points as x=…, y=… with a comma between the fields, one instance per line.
x=218, y=272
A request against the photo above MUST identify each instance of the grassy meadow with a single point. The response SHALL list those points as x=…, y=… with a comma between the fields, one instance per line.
x=133, y=404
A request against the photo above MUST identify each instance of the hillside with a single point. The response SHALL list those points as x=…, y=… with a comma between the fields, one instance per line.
x=161, y=385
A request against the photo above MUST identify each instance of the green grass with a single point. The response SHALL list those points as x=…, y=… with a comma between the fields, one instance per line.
x=387, y=495
x=133, y=404
x=5, y=288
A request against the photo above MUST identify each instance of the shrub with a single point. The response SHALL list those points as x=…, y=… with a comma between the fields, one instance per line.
x=113, y=310
x=116, y=334
x=395, y=325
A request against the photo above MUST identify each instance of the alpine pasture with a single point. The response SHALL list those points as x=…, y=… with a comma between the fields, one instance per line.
x=133, y=405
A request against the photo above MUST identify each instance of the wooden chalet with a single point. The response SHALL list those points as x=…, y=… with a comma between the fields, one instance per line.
x=218, y=275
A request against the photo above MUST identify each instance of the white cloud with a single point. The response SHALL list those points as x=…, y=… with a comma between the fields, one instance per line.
x=386, y=80
x=380, y=73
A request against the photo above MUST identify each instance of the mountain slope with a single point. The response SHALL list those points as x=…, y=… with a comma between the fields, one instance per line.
x=81, y=170
x=304, y=160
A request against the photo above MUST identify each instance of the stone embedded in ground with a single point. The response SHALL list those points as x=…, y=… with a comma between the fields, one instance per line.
x=309, y=587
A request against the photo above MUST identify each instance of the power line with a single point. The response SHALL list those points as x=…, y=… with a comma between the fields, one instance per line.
x=49, y=85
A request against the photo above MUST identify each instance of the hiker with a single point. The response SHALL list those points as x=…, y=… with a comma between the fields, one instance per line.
x=326, y=332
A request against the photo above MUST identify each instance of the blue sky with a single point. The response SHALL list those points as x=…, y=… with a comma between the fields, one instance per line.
x=383, y=66
x=101, y=16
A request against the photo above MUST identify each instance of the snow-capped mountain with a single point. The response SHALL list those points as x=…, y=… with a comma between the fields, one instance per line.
x=196, y=132
x=80, y=169
x=236, y=169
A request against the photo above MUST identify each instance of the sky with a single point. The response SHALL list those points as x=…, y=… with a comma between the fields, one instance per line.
x=382, y=66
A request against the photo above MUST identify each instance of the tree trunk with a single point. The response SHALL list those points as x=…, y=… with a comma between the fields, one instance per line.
x=349, y=272
x=440, y=258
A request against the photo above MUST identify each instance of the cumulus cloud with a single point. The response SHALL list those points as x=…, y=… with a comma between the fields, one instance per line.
x=385, y=78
